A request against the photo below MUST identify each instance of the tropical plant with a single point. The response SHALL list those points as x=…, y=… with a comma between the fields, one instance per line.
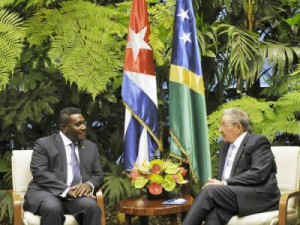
x=245, y=37
x=86, y=41
x=11, y=36
x=6, y=205
x=116, y=185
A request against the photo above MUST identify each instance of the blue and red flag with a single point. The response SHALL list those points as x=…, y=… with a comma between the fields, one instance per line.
x=139, y=93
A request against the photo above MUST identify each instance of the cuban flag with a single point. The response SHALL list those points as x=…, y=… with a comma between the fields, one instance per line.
x=141, y=135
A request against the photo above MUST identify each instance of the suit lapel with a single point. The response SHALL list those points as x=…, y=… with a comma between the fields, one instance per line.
x=62, y=152
x=239, y=153
x=81, y=149
x=223, y=154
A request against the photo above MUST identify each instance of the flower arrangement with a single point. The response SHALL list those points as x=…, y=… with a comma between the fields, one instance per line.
x=157, y=175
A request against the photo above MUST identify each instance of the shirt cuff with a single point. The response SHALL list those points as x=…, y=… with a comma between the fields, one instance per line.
x=64, y=194
x=225, y=182
x=92, y=186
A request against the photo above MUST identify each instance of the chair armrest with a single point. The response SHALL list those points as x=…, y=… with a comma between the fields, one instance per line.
x=17, y=207
x=99, y=197
x=283, y=203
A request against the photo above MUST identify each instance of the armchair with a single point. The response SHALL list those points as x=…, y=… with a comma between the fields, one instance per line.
x=288, y=176
x=21, y=177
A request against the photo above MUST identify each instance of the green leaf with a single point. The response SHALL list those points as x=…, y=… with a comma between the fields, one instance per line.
x=140, y=182
x=169, y=183
x=156, y=178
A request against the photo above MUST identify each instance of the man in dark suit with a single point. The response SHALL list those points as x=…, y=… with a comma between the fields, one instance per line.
x=66, y=173
x=246, y=182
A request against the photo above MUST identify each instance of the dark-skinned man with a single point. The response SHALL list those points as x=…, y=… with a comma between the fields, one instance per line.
x=66, y=174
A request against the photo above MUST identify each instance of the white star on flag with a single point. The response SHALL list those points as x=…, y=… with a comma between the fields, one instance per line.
x=186, y=37
x=136, y=42
x=183, y=14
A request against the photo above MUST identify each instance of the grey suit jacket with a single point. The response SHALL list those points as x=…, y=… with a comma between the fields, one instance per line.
x=253, y=175
x=49, y=169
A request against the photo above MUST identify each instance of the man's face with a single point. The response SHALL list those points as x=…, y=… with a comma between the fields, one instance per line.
x=230, y=131
x=75, y=129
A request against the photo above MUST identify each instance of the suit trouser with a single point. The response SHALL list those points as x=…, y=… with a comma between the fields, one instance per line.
x=215, y=205
x=85, y=210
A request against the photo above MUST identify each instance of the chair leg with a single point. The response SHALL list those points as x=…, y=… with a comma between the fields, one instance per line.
x=17, y=207
x=99, y=197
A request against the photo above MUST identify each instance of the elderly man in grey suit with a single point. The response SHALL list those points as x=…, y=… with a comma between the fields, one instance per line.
x=246, y=182
x=66, y=173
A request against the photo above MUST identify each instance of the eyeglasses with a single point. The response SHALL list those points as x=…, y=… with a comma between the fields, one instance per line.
x=227, y=125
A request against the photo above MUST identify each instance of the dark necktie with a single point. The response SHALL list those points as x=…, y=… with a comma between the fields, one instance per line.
x=75, y=166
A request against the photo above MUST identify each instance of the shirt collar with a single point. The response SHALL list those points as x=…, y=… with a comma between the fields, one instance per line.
x=239, y=140
x=65, y=139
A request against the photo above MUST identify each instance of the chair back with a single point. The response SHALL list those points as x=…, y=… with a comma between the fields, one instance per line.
x=21, y=174
x=288, y=169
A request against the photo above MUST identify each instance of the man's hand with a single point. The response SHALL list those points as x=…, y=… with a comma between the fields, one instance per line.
x=213, y=182
x=81, y=190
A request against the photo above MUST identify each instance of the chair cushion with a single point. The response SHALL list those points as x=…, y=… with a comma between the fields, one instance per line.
x=266, y=218
x=32, y=219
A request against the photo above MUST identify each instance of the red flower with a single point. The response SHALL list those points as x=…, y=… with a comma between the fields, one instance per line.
x=155, y=188
x=175, y=177
x=183, y=171
x=156, y=169
x=134, y=174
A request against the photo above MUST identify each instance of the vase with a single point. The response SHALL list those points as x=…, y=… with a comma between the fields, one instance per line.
x=150, y=196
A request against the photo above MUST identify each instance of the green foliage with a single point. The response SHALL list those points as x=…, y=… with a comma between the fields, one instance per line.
x=5, y=170
x=6, y=3
x=11, y=36
x=116, y=185
x=267, y=118
x=86, y=41
x=247, y=55
x=6, y=206
x=27, y=4
x=280, y=85
x=33, y=104
x=161, y=19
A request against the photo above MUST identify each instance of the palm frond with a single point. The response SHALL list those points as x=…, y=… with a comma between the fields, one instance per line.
x=280, y=85
x=4, y=3
x=11, y=36
x=6, y=204
x=85, y=42
x=115, y=187
x=161, y=19
x=267, y=118
x=243, y=49
x=281, y=57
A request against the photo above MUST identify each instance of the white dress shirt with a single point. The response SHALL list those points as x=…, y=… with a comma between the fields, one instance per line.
x=67, y=143
x=232, y=150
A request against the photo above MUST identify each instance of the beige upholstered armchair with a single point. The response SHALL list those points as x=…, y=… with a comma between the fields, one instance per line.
x=288, y=175
x=21, y=176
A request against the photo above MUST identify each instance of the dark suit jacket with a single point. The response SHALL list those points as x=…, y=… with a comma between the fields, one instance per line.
x=49, y=169
x=253, y=175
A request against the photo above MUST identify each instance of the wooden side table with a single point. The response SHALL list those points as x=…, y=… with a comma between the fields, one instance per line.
x=144, y=208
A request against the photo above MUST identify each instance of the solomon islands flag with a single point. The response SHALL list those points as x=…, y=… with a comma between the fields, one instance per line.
x=187, y=109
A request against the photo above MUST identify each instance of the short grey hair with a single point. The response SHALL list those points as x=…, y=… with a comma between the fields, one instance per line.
x=238, y=115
